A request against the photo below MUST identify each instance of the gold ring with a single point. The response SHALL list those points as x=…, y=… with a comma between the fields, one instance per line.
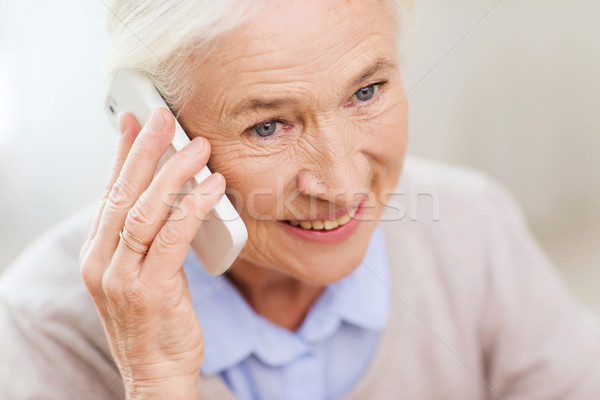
x=137, y=239
x=132, y=247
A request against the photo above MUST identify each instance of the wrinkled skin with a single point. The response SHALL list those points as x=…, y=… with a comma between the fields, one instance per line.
x=330, y=148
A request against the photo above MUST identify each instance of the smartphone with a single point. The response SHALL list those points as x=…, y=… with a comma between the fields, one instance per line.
x=222, y=234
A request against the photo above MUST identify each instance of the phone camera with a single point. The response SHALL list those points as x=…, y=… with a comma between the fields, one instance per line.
x=111, y=106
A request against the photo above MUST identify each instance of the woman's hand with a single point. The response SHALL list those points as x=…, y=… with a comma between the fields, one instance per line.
x=143, y=299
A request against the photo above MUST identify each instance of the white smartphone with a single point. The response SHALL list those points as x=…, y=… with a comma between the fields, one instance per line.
x=222, y=236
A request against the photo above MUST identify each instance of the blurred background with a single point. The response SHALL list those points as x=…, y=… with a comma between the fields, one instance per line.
x=508, y=87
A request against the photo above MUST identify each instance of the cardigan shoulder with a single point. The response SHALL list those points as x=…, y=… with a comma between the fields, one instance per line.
x=478, y=310
x=53, y=343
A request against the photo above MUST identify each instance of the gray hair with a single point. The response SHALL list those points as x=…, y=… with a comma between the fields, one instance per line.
x=157, y=37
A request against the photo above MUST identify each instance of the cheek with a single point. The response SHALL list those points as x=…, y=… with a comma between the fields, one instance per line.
x=255, y=185
x=388, y=142
x=385, y=149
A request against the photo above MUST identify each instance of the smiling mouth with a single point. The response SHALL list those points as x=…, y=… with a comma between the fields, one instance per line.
x=326, y=224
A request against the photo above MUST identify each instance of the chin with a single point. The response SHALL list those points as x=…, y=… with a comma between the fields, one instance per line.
x=322, y=272
x=324, y=263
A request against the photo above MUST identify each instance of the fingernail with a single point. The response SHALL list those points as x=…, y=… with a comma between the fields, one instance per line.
x=156, y=122
x=213, y=181
x=122, y=124
x=197, y=145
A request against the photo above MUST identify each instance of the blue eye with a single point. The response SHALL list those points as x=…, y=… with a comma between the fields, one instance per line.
x=366, y=93
x=267, y=129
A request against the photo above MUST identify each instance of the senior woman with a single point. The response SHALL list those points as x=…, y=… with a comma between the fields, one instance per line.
x=337, y=293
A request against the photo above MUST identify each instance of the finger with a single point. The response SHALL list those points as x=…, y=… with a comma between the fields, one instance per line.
x=135, y=176
x=149, y=213
x=129, y=128
x=184, y=279
x=170, y=247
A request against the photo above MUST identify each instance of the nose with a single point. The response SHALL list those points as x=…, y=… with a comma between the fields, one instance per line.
x=338, y=170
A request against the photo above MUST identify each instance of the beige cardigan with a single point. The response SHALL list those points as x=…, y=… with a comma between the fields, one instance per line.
x=477, y=310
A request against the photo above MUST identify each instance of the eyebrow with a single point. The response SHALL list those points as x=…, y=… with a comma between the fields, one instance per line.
x=380, y=64
x=255, y=104
x=260, y=104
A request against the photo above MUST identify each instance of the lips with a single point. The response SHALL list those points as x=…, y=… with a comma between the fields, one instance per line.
x=326, y=231
x=326, y=224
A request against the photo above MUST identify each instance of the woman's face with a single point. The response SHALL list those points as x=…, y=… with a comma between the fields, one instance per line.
x=306, y=114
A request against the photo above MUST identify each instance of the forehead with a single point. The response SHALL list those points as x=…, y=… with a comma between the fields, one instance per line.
x=293, y=42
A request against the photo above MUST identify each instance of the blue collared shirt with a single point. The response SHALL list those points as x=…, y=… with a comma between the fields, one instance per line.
x=323, y=359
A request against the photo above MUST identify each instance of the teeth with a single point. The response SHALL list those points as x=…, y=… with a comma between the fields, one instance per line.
x=331, y=224
x=326, y=224
x=306, y=224
x=317, y=225
x=344, y=219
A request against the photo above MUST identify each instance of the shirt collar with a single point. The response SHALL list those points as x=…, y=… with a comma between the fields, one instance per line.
x=233, y=331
